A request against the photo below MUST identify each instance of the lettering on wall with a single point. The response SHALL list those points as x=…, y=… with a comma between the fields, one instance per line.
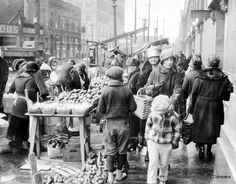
x=8, y=29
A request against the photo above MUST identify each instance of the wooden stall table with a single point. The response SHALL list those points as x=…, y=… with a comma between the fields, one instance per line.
x=35, y=133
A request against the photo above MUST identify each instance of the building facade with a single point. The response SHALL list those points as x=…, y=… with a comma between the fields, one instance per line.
x=60, y=26
x=97, y=20
x=209, y=27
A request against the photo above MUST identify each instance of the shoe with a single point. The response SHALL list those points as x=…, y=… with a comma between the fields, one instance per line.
x=201, y=153
x=162, y=182
x=6, y=150
x=120, y=175
x=209, y=155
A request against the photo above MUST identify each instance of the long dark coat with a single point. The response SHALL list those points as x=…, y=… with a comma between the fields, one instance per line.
x=210, y=88
x=172, y=86
x=19, y=123
x=133, y=80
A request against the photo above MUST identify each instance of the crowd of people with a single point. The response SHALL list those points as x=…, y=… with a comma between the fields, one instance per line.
x=179, y=87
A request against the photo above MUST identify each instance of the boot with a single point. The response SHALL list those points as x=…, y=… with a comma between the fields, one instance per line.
x=120, y=176
x=110, y=178
x=208, y=152
x=201, y=152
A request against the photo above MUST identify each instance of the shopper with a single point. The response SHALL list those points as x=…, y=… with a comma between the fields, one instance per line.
x=162, y=134
x=18, y=130
x=210, y=88
x=195, y=67
x=84, y=80
x=116, y=102
x=133, y=73
x=4, y=71
x=164, y=79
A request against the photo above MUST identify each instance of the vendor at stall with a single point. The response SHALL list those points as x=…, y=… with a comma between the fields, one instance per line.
x=81, y=68
x=18, y=130
x=68, y=79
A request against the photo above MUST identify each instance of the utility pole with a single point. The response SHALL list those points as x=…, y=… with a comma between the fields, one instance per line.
x=114, y=20
x=149, y=6
x=135, y=19
x=144, y=25
x=37, y=20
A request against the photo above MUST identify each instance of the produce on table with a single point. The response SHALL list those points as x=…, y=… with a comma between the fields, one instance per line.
x=94, y=172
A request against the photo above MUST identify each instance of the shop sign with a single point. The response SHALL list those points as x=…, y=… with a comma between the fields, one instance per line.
x=28, y=30
x=8, y=29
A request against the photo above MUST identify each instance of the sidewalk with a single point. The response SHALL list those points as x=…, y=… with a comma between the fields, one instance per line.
x=186, y=168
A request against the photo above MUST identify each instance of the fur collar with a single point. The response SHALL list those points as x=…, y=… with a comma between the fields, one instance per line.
x=212, y=74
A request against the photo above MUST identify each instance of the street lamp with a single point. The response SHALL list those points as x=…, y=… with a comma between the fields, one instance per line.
x=114, y=20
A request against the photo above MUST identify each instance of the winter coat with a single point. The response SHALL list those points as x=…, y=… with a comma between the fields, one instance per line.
x=210, y=88
x=116, y=101
x=4, y=71
x=188, y=82
x=22, y=82
x=163, y=129
x=133, y=80
x=172, y=86
x=144, y=74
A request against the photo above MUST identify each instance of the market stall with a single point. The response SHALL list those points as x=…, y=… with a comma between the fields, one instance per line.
x=35, y=131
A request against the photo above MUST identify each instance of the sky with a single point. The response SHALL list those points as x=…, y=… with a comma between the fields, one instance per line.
x=169, y=10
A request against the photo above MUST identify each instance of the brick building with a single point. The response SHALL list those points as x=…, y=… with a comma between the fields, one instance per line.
x=209, y=27
x=60, y=25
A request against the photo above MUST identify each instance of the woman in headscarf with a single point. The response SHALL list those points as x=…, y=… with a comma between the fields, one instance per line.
x=19, y=123
x=210, y=88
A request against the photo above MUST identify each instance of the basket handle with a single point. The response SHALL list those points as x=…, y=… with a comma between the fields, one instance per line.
x=141, y=90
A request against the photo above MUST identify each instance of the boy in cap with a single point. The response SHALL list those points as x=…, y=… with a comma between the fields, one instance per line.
x=116, y=102
x=162, y=134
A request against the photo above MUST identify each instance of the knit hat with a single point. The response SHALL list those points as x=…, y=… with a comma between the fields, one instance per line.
x=213, y=61
x=161, y=103
x=32, y=67
x=166, y=53
x=196, y=61
x=153, y=52
x=132, y=62
x=115, y=72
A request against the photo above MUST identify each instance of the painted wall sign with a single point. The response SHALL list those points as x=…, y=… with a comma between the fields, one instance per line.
x=9, y=29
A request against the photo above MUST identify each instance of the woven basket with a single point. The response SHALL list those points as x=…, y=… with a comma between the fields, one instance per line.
x=144, y=103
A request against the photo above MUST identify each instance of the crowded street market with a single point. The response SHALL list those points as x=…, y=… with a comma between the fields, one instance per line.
x=87, y=96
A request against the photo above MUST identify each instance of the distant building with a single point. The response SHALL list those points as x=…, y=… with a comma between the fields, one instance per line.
x=60, y=25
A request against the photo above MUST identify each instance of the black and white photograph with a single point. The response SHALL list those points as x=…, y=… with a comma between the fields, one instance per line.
x=117, y=91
